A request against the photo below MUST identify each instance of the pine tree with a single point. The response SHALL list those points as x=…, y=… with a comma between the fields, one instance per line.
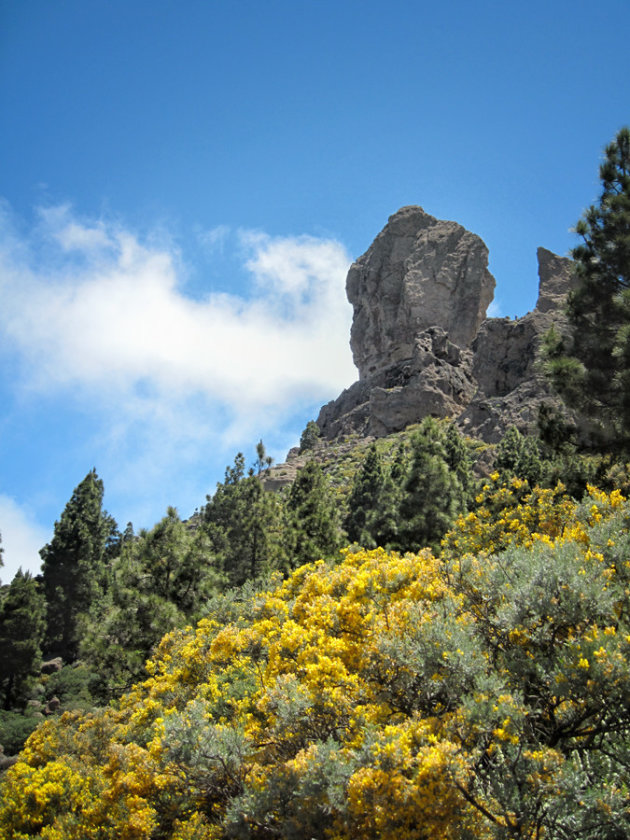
x=519, y=455
x=173, y=562
x=263, y=461
x=592, y=368
x=243, y=523
x=310, y=436
x=161, y=580
x=432, y=492
x=364, y=501
x=124, y=628
x=387, y=519
x=556, y=433
x=313, y=530
x=459, y=461
x=75, y=565
x=21, y=632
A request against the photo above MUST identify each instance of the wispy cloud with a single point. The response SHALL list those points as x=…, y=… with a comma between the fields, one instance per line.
x=22, y=538
x=213, y=240
x=96, y=316
x=120, y=317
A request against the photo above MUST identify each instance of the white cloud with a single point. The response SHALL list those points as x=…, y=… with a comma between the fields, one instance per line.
x=119, y=317
x=292, y=266
x=95, y=319
x=72, y=235
x=22, y=538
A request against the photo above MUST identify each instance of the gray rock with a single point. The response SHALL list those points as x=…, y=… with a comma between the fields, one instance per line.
x=7, y=761
x=52, y=706
x=418, y=273
x=52, y=665
x=556, y=279
x=510, y=384
x=435, y=381
x=504, y=354
x=422, y=343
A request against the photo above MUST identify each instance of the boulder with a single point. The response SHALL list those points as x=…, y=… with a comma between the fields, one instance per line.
x=52, y=665
x=52, y=706
x=7, y=761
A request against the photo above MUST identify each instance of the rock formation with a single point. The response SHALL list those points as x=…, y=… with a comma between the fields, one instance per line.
x=418, y=273
x=422, y=343
x=510, y=387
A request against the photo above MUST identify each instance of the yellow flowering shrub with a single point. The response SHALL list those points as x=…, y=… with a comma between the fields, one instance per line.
x=35, y=795
x=509, y=514
x=387, y=696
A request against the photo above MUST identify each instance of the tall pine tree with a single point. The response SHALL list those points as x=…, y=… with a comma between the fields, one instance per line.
x=592, y=369
x=313, y=530
x=364, y=501
x=75, y=565
x=161, y=580
x=243, y=523
x=432, y=493
x=21, y=631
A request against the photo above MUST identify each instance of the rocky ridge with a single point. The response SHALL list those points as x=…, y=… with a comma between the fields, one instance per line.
x=423, y=344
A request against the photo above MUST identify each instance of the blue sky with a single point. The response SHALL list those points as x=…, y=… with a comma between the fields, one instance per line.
x=184, y=184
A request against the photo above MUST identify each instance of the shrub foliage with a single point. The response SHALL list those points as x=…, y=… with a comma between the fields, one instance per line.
x=480, y=693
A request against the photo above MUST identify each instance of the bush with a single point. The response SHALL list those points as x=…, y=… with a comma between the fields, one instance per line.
x=15, y=727
x=72, y=686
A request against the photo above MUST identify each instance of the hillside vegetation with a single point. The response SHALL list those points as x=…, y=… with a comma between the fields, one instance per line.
x=484, y=693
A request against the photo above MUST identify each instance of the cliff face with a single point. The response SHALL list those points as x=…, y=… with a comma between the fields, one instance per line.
x=422, y=342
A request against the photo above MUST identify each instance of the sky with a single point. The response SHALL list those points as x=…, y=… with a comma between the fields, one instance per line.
x=184, y=184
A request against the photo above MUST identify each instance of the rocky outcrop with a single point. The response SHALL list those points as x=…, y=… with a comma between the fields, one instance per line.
x=418, y=273
x=436, y=379
x=556, y=280
x=510, y=385
x=422, y=343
